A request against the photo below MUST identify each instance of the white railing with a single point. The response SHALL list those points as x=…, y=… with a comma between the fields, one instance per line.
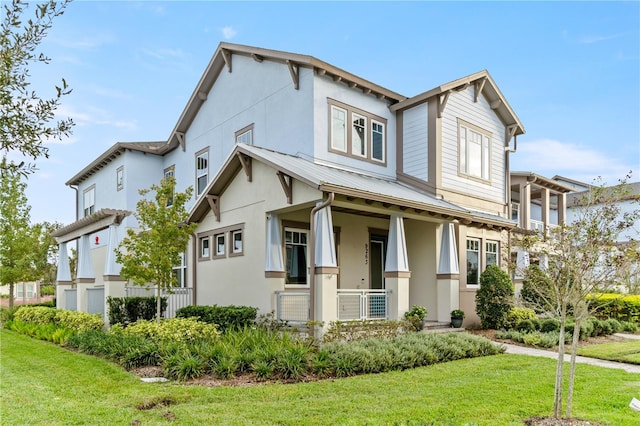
x=292, y=306
x=363, y=304
x=179, y=297
x=536, y=225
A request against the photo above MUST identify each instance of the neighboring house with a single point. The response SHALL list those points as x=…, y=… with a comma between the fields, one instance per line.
x=22, y=290
x=400, y=201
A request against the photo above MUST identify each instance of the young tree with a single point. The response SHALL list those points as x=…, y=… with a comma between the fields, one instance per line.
x=25, y=118
x=44, y=251
x=15, y=236
x=585, y=257
x=148, y=256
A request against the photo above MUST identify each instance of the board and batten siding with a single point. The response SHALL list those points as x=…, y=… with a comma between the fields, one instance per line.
x=415, y=160
x=461, y=106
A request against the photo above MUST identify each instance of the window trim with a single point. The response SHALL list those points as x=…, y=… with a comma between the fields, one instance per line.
x=284, y=244
x=232, y=250
x=92, y=207
x=201, y=255
x=215, y=253
x=247, y=129
x=120, y=178
x=479, y=261
x=198, y=174
x=484, y=133
x=369, y=118
x=181, y=269
x=487, y=252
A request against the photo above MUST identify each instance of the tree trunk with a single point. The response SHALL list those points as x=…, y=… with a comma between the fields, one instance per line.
x=158, y=304
x=572, y=365
x=11, y=286
x=557, y=401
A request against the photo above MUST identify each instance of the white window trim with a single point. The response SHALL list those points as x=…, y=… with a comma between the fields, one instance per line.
x=464, y=157
x=200, y=173
x=217, y=254
x=487, y=252
x=181, y=270
x=91, y=207
x=479, y=251
x=248, y=130
x=201, y=244
x=384, y=142
x=120, y=178
x=232, y=249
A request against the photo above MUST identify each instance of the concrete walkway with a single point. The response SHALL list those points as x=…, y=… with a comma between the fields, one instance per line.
x=521, y=350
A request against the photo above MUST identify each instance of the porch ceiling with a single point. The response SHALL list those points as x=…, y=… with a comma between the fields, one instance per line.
x=90, y=224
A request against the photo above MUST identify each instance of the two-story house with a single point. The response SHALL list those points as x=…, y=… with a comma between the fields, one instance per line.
x=318, y=194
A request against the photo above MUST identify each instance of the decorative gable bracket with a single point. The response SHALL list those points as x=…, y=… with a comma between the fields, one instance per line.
x=214, y=203
x=287, y=186
x=294, y=70
x=180, y=137
x=478, y=85
x=442, y=102
x=226, y=55
x=245, y=160
x=511, y=134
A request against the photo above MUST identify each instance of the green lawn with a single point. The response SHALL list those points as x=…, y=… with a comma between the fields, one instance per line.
x=627, y=351
x=43, y=384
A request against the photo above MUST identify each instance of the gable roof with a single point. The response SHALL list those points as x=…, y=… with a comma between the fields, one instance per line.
x=482, y=82
x=158, y=148
x=223, y=57
x=545, y=182
x=339, y=181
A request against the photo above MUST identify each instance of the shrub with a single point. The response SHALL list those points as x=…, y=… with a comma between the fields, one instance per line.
x=358, y=330
x=526, y=326
x=184, y=330
x=616, y=306
x=494, y=298
x=629, y=327
x=415, y=316
x=225, y=317
x=78, y=321
x=516, y=315
x=126, y=310
x=47, y=290
x=549, y=324
x=7, y=314
x=36, y=315
x=536, y=289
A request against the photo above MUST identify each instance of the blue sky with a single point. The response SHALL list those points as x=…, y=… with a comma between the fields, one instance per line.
x=569, y=70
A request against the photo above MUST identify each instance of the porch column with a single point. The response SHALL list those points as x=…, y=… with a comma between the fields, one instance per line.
x=546, y=220
x=562, y=208
x=448, y=276
x=84, y=274
x=522, y=263
x=326, y=269
x=396, y=269
x=525, y=205
x=63, y=276
x=274, y=272
x=114, y=284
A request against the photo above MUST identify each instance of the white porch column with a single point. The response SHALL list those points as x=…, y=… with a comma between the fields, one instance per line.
x=84, y=273
x=448, y=275
x=274, y=272
x=63, y=276
x=525, y=205
x=114, y=284
x=544, y=201
x=396, y=269
x=326, y=269
x=522, y=263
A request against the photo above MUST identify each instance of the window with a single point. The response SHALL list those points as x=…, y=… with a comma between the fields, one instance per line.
x=366, y=138
x=236, y=242
x=220, y=245
x=475, y=149
x=204, y=248
x=245, y=135
x=180, y=271
x=202, y=171
x=295, y=241
x=89, y=200
x=120, y=178
x=170, y=172
x=473, y=261
x=491, y=253
x=515, y=212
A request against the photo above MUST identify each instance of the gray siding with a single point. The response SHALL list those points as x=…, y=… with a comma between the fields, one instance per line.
x=415, y=160
x=461, y=105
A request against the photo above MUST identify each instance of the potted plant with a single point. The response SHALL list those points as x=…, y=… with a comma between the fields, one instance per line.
x=457, y=316
x=416, y=316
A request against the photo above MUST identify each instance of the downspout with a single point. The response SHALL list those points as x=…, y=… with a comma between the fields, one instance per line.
x=75, y=188
x=194, y=263
x=312, y=258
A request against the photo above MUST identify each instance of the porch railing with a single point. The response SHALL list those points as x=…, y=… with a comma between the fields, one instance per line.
x=179, y=297
x=365, y=304
x=293, y=305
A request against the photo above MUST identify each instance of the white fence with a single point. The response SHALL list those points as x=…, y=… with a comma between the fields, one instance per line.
x=293, y=305
x=179, y=297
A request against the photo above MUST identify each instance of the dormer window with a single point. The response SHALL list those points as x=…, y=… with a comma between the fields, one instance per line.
x=356, y=133
x=475, y=151
x=245, y=135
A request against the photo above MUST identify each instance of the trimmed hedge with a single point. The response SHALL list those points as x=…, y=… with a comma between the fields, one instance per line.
x=494, y=298
x=225, y=317
x=127, y=310
x=71, y=320
x=616, y=306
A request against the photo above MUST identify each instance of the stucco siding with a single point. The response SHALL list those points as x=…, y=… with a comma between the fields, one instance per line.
x=258, y=94
x=324, y=89
x=415, y=159
x=461, y=106
x=421, y=251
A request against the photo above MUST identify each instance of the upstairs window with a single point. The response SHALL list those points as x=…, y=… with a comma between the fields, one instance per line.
x=202, y=171
x=204, y=248
x=220, y=245
x=475, y=151
x=170, y=172
x=89, y=200
x=357, y=133
x=120, y=178
x=245, y=135
x=515, y=212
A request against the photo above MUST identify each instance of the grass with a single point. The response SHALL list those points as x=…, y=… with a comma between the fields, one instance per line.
x=41, y=383
x=627, y=351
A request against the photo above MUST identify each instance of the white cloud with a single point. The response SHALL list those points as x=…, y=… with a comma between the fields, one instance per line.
x=95, y=116
x=163, y=53
x=597, y=38
x=550, y=157
x=229, y=32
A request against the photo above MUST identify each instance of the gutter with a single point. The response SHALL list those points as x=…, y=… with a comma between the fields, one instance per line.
x=312, y=259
